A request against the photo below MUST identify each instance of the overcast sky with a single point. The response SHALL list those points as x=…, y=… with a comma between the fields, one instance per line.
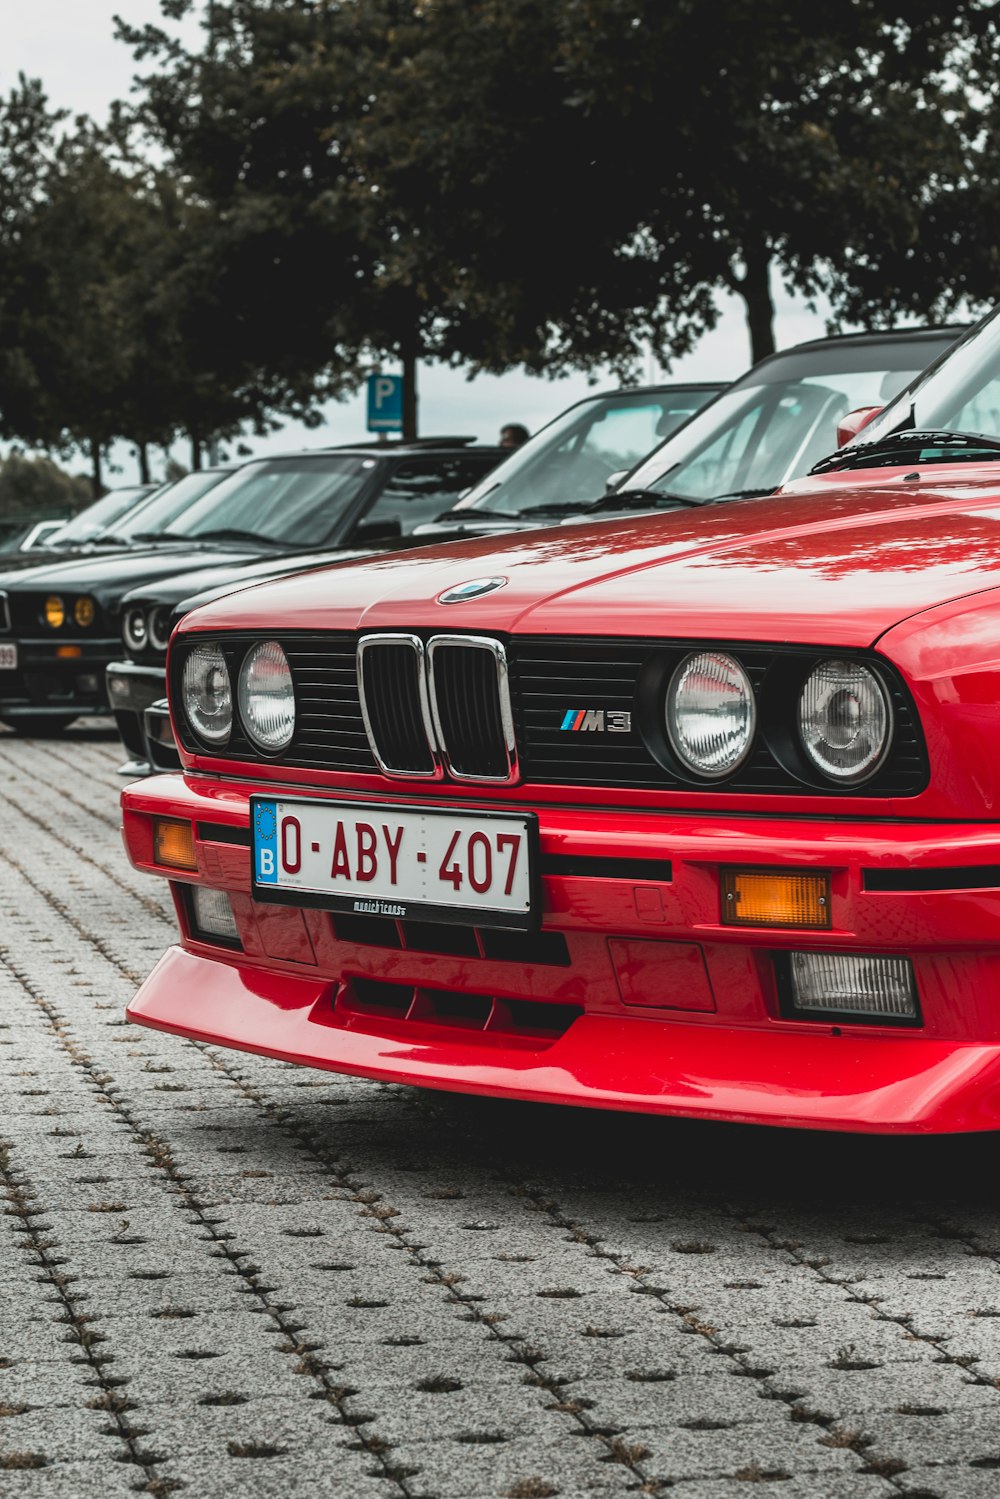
x=70, y=45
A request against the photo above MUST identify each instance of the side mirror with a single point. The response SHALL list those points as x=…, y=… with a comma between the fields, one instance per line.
x=613, y=480
x=850, y=425
x=377, y=530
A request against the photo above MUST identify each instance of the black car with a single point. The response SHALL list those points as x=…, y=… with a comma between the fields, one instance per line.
x=59, y=622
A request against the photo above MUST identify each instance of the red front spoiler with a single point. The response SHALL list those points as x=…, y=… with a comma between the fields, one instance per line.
x=875, y=1084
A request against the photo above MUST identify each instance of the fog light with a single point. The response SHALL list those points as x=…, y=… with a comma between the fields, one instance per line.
x=213, y=914
x=173, y=844
x=853, y=985
x=769, y=897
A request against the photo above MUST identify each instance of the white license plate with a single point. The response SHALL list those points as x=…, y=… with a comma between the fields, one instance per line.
x=8, y=655
x=396, y=862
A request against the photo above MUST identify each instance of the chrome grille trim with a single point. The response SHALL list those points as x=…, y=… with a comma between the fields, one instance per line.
x=507, y=745
x=4, y=613
x=368, y=645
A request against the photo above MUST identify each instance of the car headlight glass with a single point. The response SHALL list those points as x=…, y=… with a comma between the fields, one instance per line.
x=267, y=697
x=158, y=627
x=84, y=611
x=55, y=612
x=710, y=714
x=134, y=630
x=208, y=694
x=845, y=720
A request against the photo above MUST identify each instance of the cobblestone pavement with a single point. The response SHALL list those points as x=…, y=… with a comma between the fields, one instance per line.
x=224, y=1274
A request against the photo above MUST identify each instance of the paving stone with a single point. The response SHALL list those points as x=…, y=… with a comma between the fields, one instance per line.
x=742, y=1302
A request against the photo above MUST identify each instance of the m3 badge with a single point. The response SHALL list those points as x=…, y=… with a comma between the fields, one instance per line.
x=596, y=721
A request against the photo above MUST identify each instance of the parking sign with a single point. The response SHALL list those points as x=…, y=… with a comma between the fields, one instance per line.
x=385, y=403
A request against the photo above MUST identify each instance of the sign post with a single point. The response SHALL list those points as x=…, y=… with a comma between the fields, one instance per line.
x=385, y=403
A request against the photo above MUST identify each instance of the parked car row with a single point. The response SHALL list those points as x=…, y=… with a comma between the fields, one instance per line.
x=688, y=813
x=770, y=426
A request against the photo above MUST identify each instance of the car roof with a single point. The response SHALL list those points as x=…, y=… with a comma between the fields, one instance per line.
x=876, y=336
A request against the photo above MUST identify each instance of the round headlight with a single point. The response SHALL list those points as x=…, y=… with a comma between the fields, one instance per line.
x=55, y=612
x=845, y=720
x=208, y=694
x=134, y=631
x=711, y=713
x=84, y=611
x=267, y=698
x=158, y=625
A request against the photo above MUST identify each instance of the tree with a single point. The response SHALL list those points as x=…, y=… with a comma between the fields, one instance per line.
x=593, y=172
x=274, y=273
x=35, y=488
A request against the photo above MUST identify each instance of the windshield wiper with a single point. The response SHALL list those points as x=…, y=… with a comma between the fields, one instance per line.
x=891, y=449
x=639, y=499
x=459, y=517
x=233, y=533
x=743, y=494
x=150, y=536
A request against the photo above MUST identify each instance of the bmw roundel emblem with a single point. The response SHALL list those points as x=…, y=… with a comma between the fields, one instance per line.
x=474, y=589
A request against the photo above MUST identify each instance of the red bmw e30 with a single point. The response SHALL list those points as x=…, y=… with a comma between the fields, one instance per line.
x=694, y=814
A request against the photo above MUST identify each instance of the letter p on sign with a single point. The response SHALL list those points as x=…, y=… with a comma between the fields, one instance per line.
x=385, y=403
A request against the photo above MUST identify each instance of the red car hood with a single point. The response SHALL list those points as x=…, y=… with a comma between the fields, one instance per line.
x=837, y=566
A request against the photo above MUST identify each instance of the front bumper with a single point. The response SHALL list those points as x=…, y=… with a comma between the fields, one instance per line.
x=49, y=683
x=714, y=1042
x=132, y=687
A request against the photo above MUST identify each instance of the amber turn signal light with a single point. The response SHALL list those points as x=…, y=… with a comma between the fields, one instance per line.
x=774, y=897
x=173, y=844
x=68, y=652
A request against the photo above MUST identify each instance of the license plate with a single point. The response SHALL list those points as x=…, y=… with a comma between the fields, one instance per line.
x=8, y=656
x=478, y=867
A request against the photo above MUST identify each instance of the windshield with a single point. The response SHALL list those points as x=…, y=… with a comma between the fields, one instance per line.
x=959, y=392
x=292, y=501
x=157, y=513
x=781, y=418
x=98, y=516
x=571, y=459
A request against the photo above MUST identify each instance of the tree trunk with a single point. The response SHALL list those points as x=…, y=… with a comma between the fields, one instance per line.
x=408, y=352
x=95, y=468
x=142, y=453
x=195, y=452
x=755, y=289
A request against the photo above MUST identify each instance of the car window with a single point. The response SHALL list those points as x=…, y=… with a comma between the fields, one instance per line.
x=98, y=516
x=760, y=436
x=296, y=501
x=421, y=488
x=161, y=508
x=569, y=461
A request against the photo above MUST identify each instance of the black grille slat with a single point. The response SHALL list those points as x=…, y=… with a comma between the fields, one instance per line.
x=390, y=677
x=470, y=719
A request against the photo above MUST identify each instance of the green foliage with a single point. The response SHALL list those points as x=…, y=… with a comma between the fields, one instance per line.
x=37, y=488
x=317, y=185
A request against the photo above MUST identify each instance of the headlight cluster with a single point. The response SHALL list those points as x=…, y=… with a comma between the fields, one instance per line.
x=843, y=718
x=142, y=627
x=265, y=697
x=56, y=611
